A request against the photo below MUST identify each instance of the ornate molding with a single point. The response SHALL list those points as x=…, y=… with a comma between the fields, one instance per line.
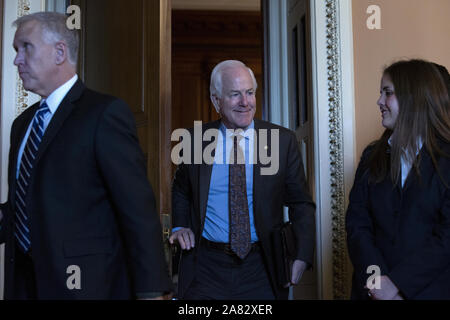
x=23, y=8
x=206, y=28
x=336, y=151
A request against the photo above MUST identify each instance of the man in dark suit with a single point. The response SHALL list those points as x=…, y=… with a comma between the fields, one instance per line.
x=80, y=221
x=225, y=211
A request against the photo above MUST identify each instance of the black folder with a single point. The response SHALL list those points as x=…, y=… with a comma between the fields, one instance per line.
x=284, y=248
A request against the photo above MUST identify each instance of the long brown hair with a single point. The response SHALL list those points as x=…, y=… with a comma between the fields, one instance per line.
x=424, y=115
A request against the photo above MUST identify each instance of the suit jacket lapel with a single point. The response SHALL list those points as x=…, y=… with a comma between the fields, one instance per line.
x=18, y=137
x=22, y=129
x=258, y=180
x=411, y=177
x=425, y=168
x=61, y=114
x=205, y=171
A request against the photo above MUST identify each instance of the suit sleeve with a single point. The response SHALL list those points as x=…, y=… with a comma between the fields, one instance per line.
x=298, y=199
x=2, y=229
x=360, y=232
x=181, y=198
x=122, y=166
x=414, y=273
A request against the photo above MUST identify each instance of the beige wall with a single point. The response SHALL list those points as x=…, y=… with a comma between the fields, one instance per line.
x=410, y=29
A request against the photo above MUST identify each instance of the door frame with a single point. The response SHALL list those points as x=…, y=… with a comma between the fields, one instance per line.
x=333, y=108
x=2, y=247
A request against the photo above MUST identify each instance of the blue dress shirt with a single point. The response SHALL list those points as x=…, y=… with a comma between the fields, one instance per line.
x=217, y=215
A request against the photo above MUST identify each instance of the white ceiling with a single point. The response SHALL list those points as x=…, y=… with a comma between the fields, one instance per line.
x=235, y=5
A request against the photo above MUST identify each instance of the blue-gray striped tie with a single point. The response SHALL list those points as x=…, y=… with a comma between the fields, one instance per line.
x=22, y=222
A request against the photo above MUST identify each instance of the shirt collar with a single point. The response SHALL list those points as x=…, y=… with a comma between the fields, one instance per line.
x=56, y=97
x=248, y=132
x=420, y=143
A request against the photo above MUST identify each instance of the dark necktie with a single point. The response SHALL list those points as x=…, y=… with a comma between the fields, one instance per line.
x=238, y=205
x=22, y=223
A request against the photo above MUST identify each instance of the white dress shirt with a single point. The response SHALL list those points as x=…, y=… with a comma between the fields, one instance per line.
x=53, y=102
x=406, y=165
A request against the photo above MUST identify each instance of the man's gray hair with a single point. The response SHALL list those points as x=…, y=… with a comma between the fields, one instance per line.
x=215, y=88
x=54, y=29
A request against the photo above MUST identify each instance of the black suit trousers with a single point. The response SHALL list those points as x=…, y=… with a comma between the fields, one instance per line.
x=221, y=276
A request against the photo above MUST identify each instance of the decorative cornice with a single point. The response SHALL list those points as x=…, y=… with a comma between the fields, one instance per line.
x=23, y=8
x=206, y=28
x=336, y=152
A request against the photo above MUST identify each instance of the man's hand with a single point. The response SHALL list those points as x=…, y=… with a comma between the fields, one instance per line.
x=387, y=291
x=298, y=267
x=185, y=237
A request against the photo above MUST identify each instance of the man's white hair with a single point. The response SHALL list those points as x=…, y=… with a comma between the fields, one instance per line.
x=54, y=29
x=215, y=88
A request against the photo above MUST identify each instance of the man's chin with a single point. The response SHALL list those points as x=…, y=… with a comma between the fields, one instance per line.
x=27, y=86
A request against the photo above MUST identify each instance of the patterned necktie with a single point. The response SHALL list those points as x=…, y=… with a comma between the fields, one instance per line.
x=237, y=192
x=22, y=223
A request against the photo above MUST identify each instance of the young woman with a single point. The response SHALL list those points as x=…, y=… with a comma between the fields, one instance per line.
x=398, y=219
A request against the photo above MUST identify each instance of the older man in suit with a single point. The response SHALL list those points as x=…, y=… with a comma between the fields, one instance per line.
x=80, y=221
x=225, y=211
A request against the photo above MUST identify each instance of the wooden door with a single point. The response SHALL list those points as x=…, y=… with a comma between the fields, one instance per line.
x=301, y=119
x=126, y=52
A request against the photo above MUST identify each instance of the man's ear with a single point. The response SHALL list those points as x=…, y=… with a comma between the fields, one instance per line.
x=61, y=53
x=215, y=101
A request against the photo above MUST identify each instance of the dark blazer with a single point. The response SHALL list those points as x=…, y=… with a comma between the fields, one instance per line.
x=405, y=231
x=287, y=187
x=3, y=208
x=90, y=203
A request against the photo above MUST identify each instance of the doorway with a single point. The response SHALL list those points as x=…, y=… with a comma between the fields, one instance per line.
x=200, y=39
x=205, y=33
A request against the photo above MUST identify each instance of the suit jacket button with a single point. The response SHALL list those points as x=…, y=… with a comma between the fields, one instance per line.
x=11, y=260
